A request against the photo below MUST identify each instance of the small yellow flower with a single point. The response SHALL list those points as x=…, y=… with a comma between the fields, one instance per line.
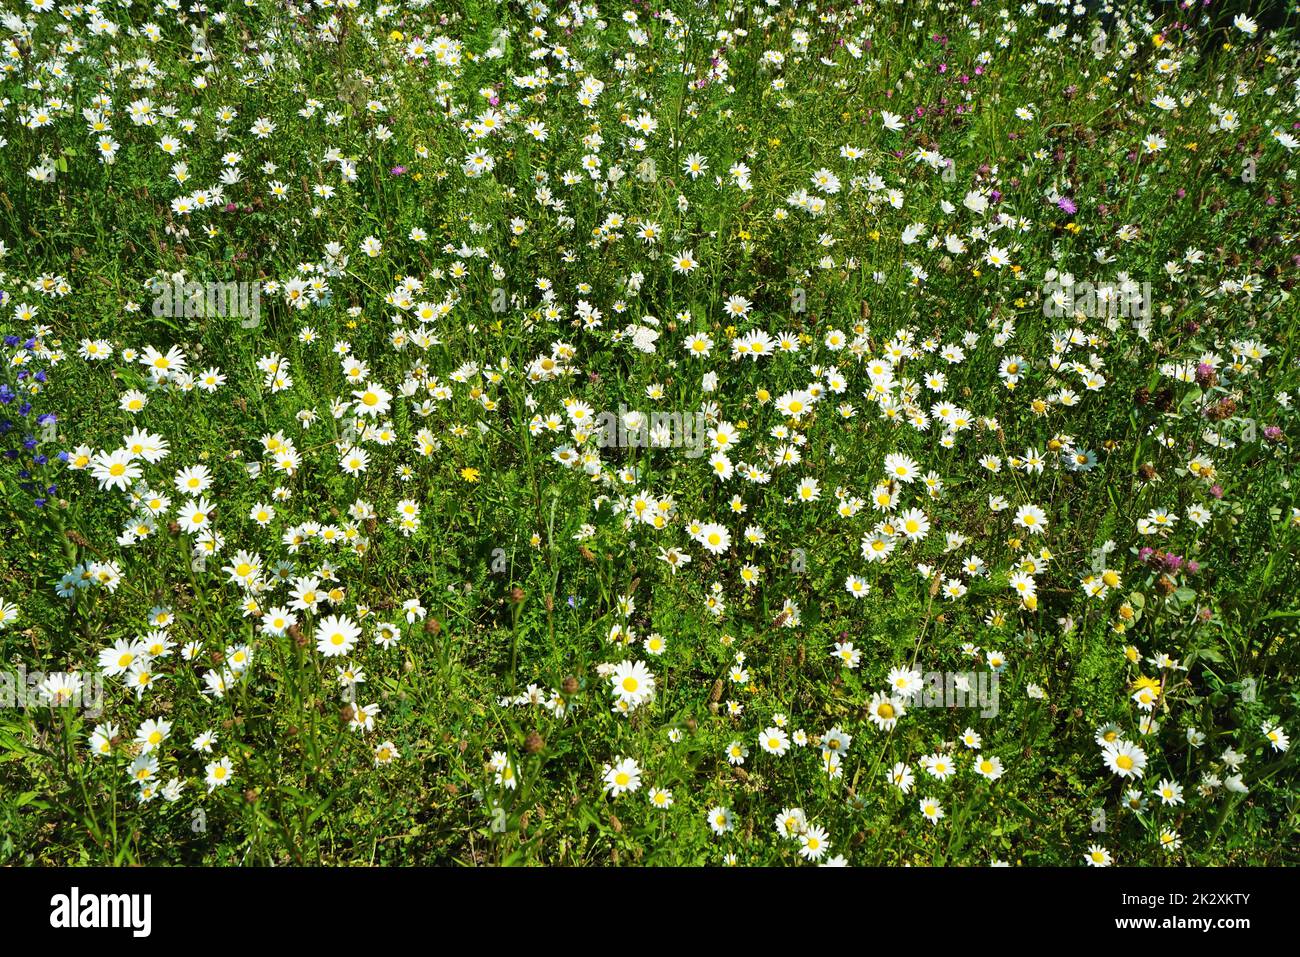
x=469, y=474
x=1143, y=684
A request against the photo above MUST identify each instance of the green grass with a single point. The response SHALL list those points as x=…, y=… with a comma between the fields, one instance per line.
x=528, y=571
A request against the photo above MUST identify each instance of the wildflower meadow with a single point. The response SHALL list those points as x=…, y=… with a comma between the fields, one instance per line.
x=649, y=433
